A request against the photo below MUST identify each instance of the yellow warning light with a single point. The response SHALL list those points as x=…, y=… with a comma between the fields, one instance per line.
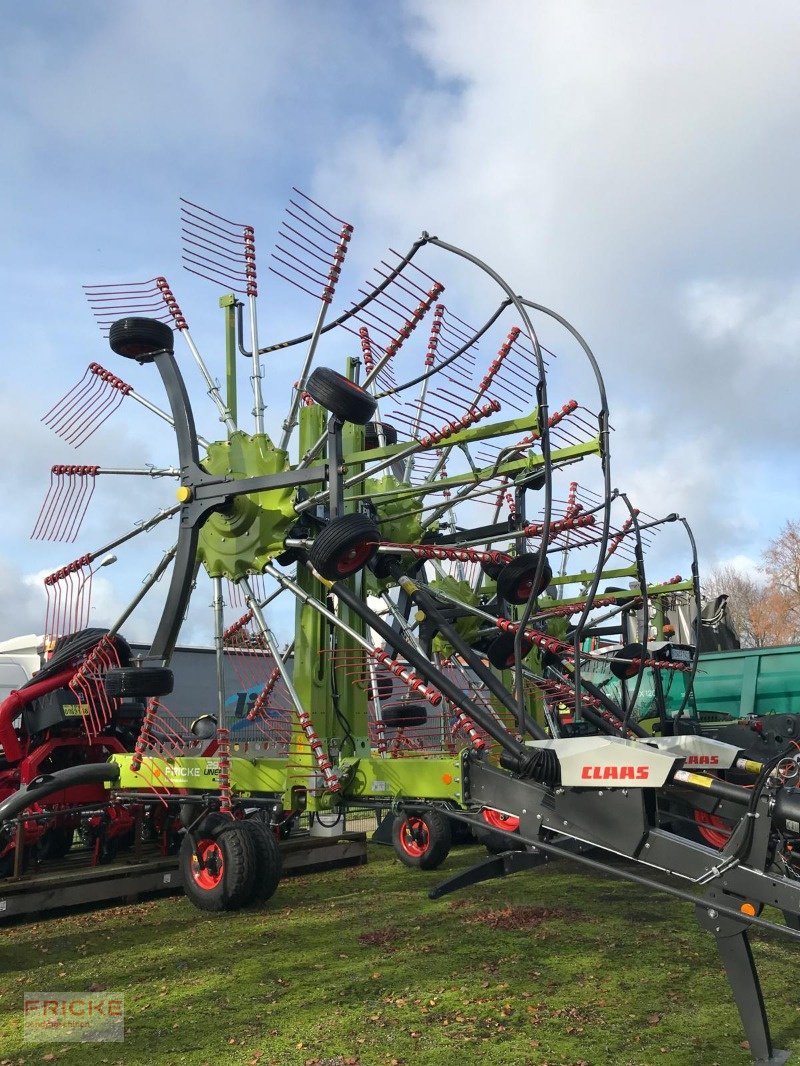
x=748, y=909
x=184, y=494
x=447, y=779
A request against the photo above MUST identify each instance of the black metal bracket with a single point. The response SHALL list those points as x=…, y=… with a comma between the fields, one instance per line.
x=734, y=950
x=508, y=862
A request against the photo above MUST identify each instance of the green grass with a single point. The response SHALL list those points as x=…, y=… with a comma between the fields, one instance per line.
x=357, y=967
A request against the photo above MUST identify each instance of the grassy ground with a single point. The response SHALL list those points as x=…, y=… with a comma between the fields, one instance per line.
x=357, y=967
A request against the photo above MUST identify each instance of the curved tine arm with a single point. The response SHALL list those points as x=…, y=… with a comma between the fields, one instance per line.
x=180, y=589
x=183, y=572
x=354, y=310
x=180, y=408
x=544, y=430
x=697, y=607
x=645, y=609
x=603, y=423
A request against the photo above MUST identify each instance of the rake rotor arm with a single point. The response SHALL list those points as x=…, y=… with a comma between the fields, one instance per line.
x=419, y=595
x=517, y=752
x=356, y=308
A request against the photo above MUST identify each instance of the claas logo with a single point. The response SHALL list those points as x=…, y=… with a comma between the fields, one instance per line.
x=702, y=760
x=615, y=773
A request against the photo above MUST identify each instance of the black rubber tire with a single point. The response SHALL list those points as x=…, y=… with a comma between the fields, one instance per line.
x=494, y=840
x=405, y=715
x=204, y=727
x=139, y=681
x=7, y=862
x=73, y=648
x=425, y=847
x=371, y=435
x=268, y=861
x=514, y=582
x=342, y=397
x=491, y=569
x=344, y=546
x=236, y=883
x=385, y=686
x=624, y=670
x=140, y=338
x=55, y=844
x=500, y=652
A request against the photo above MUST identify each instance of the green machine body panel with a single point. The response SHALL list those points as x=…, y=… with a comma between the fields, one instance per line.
x=392, y=779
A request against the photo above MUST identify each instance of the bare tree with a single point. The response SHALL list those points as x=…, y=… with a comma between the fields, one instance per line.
x=772, y=619
x=743, y=595
x=782, y=563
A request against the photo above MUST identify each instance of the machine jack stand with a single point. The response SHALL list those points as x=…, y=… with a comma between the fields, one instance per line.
x=737, y=958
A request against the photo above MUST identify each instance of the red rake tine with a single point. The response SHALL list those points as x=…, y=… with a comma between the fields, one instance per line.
x=62, y=504
x=58, y=417
x=232, y=243
x=318, y=249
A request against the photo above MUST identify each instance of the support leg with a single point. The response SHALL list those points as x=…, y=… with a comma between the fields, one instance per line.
x=737, y=958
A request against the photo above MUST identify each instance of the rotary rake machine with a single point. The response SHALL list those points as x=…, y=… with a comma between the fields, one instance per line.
x=449, y=576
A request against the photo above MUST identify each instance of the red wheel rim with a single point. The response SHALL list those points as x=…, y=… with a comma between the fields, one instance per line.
x=524, y=588
x=714, y=830
x=415, y=839
x=208, y=865
x=498, y=820
x=354, y=558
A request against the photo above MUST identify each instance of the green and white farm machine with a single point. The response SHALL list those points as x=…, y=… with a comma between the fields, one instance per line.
x=451, y=580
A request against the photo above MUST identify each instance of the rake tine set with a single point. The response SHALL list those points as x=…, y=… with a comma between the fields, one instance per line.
x=69, y=596
x=64, y=507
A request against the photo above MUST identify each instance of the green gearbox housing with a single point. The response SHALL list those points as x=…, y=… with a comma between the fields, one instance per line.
x=250, y=532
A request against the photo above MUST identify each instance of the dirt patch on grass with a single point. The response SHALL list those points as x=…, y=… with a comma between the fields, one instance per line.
x=521, y=918
x=388, y=938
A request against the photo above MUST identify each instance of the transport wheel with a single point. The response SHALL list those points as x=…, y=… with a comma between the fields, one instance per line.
x=712, y=829
x=342, y=397
x=344, y=546
x=218, y=868
x=624, y=670
x=515, y=580
x=55, y=843
x=493, y=833
x=422, y=840
x=491, y=569
x=7, y=861
x=385, y=687
x=371, y=439
x=500, y=652
x=405, y=715
x=268, y=860
x=140, y=338
x=139, y=681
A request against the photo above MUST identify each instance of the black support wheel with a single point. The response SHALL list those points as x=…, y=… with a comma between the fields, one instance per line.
x=625, y=669
x=422, y=839
x=344, y=546
x=405, y=715
x=515, y=580
x=139, y=681
x=500, y=652
x=55, y=843
x=372, y=438
x=268, y=860
x=140, y=338
x=218, y=866
x=343, y=398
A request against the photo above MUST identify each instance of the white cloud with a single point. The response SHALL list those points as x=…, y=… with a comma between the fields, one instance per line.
x=631, y=165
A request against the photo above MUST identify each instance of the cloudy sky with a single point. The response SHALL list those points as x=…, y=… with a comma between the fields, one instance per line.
x=633, y=166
